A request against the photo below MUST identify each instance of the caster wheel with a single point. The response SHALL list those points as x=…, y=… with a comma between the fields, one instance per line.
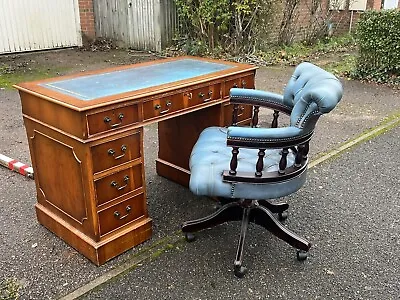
x=283, y=216
x=301, y=255
x=189, y=237
x=240, y=271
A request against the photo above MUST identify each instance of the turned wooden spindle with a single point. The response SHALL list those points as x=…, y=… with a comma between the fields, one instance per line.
x=260, y=163
x=234, y=160
x=254, y=120
x=235, y=114
x=306, y=149
x=275, y=120
x=283, y=161
x=299, y=156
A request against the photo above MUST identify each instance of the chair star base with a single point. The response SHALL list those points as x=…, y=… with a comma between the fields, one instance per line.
x=259, y=212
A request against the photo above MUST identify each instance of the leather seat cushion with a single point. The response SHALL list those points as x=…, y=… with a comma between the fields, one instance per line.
x=211, y=156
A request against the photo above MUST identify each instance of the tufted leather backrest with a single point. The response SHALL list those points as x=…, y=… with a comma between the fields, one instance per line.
x=311, y=91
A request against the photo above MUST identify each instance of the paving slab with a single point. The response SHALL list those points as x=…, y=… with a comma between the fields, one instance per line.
x=47, y=268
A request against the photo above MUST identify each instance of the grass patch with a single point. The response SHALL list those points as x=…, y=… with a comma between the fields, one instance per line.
x=343, y=67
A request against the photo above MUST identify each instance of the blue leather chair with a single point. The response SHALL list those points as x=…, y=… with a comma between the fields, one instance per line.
x=245, y=167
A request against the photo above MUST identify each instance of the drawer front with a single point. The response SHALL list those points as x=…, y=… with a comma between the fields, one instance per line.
x=112, y=119
x=118, y=184
x=121, y=214
x=203, y=95
x=244, y=113
x=241, y=82
x=116, y=152
x=162, y=106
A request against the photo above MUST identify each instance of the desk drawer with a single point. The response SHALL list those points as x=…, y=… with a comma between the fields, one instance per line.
x=116, y=152
x=118, y=184
x=245, y=112
x=203, y=95
x=162, y=106
x=112, y=119
x=121, y=214
x=240, y=82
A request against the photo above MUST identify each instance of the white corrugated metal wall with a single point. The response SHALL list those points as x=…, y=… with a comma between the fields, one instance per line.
x=27, y=25
x=140, y=24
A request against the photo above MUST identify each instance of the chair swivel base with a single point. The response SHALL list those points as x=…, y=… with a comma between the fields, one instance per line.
x=259, y=212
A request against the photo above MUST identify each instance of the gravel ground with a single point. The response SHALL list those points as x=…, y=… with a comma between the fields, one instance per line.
x=349, y=213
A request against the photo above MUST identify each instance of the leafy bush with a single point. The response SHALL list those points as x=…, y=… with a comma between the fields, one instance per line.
x=378, y=39
x=231, y=25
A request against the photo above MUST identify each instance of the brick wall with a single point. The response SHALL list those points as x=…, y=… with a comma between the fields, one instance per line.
x=87, y=20
x=343, y=20
x=374, y=4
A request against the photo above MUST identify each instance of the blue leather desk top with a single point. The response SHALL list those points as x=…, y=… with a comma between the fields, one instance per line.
x=101, y=85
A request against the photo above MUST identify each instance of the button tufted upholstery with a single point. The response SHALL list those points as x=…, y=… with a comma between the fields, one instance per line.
x=210, y=157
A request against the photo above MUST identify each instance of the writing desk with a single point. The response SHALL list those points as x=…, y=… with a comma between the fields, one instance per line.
x=85, y=136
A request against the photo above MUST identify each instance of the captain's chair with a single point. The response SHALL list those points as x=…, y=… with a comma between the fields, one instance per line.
x=244, y=167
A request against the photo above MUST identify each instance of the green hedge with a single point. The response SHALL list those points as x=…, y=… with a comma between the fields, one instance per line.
x=378, y=39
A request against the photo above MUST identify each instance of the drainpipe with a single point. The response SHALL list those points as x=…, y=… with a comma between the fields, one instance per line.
x=351, y=21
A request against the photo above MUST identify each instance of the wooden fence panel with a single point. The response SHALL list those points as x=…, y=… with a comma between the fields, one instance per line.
x=140, y=24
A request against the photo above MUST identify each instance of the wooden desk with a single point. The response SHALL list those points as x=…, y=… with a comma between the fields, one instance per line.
x=85, y=137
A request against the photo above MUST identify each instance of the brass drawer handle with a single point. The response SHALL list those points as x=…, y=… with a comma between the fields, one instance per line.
x=112, y=152
x=108, y=120
x=235, y=85
x=117, y=214
x=244, y=83
x=241, y=109
x=158, y=106
x=117, y=186
x=201, y=95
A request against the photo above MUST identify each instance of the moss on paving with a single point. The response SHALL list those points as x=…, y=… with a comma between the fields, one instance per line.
x=13, y=75
x=387, y=124
x=9, y=289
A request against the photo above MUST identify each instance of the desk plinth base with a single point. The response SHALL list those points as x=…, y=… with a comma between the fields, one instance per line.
x=97, y=252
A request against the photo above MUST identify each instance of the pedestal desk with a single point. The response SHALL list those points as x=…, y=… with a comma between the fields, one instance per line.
x=85, y=137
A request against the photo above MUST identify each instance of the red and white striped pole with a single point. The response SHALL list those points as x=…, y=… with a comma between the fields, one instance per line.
x=16, y=166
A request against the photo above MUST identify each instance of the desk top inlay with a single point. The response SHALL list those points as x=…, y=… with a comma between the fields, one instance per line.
x=91, y=87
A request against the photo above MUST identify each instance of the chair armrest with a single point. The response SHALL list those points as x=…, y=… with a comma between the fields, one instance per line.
x=259, y=98
x=263, y=138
